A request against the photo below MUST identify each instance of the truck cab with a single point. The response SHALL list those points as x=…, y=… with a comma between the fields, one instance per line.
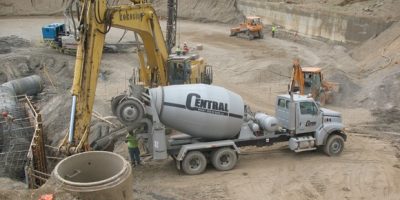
x=309, y=125
x=304, y=117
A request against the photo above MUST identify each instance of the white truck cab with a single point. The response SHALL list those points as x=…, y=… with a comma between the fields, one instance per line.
x=309, y=125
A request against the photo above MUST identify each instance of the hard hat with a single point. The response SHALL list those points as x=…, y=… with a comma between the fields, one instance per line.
x=5, y=113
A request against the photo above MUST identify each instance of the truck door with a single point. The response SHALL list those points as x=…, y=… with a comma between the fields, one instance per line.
x=308, y=117
x=282, y=112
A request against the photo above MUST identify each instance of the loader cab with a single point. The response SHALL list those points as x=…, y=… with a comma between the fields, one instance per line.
x=312, y=80
x=179, y=69
x=252, y=20
x=302, y=115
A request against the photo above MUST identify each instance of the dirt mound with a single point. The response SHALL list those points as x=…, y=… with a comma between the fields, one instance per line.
x=9, y=184
x=379, y=69
x=347, y=87
x=224, y=11
x=33, y=7
x=13, y=41
x=388, y=116
x=384, y=94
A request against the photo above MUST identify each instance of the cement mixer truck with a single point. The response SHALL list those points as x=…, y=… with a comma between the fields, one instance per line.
x=214, y=123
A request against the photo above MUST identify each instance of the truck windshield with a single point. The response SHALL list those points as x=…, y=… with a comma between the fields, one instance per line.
x=308, y=108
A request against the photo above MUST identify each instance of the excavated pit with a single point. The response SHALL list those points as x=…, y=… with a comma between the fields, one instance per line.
x=15, y=137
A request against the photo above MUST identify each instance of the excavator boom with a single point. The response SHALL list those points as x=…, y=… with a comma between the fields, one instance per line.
x=95, y=21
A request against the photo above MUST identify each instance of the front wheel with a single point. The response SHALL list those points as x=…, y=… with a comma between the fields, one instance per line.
x=334, y=145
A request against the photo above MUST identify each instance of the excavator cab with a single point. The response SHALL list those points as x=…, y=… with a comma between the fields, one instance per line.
x=312, y=80
x=179, y=69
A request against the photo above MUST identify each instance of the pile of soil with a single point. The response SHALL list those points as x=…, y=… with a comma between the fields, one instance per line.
x=379, y=70
x=33, y=7
x=12, y=41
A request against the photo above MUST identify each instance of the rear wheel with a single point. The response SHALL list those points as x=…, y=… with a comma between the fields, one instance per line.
x=334, y=145
x=250, y=36
x=194, y=163
x=260, y=35
x=224, y=159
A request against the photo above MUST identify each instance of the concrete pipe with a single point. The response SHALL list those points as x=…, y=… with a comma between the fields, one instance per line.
x=30, y=85
x=97, y=175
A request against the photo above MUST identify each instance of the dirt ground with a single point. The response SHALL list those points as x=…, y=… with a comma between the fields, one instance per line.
x=369, y=167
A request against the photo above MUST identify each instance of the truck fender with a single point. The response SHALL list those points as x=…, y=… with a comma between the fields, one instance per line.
x=322, y=133
x=201, y=146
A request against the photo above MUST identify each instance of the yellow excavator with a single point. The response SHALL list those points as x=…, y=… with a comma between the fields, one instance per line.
x=310, y=80
x=158, y=68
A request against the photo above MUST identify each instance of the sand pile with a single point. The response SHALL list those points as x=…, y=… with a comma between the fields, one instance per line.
x=380, y=69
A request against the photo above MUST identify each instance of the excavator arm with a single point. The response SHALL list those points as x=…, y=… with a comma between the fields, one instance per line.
x=95, y=21
x=297, y=79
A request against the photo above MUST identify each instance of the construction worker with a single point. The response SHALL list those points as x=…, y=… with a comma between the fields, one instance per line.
x=9, y=119
x=133, y=148
x=273, y=30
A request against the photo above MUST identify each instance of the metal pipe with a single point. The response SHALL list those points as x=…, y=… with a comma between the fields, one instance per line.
x=72, y=121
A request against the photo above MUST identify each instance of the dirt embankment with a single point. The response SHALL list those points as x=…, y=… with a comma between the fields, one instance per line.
x=223, y=11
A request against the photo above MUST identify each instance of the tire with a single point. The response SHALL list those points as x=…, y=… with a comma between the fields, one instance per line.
x=115, y=102
x=224, y=159
x=260, y=35
x=250, y=36
x=129, y=111
x=334, y=145
x=194, y=163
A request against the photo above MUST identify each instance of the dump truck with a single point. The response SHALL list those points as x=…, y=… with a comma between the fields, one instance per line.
x=250, y=29
x=214, y=122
